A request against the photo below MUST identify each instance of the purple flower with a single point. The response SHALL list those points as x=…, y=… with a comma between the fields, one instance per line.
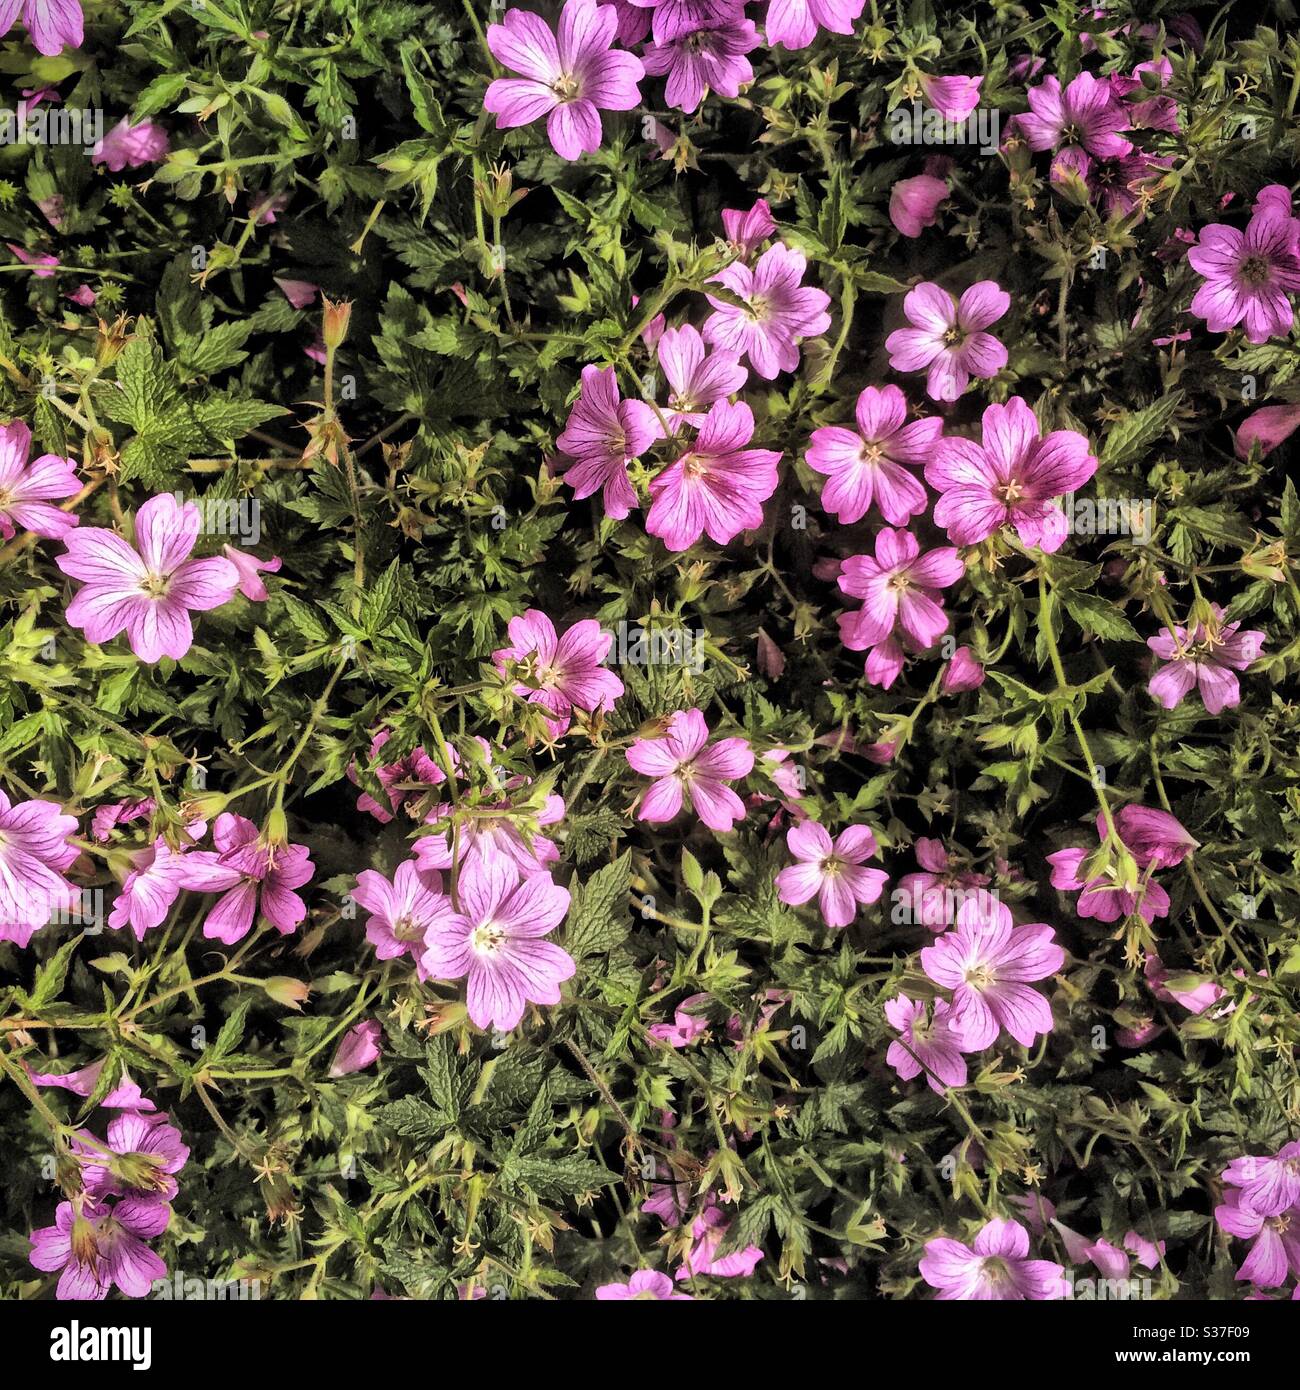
x=406, y=782
x=778, y=311
x=1275, y=1252
x=52, y=25
x=1248, y=275
x=1206, y=660
x=569, y=76
x=251, y=569
x=154, y=883
x=929, y=1043
x=914, y=203
x=707, y=1232
x=403, y=911
x=27, y=489
x=954, y=98
x=1103, y=897
x=126, y=1095
x=495, y=940
x=872, y=464
x=43, y=265
x=685, y=1027
x=149, y=592
x=603, y=435
x=250, y=875
x=102, y=1248
x=680, y=763
x=989, y=964
x=746, y=231
x=794, y=23
x=718, y=486
x=698, y=379
x=149, y=1153
x=1013, y=477
x=119, y=813
x=899, y=588
x=995, y=1267
x=947, y=337
x=1086, y=114
x=833, y=873
x=1269, y=426
x=128, y=146
x=1268, y=1186
x=34, y=852
x=357, y=1049
x=707, y=58
x=934, y=894
x=559, y=673
x=962, y=672
x=644, y=1284
x=673, y=18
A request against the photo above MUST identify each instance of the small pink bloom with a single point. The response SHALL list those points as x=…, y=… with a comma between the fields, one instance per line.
x=833, y=873
x=698, y=379
x=603, y=435
x=559, y=673
x=954, y=98
x=52, y=25
x=794, y=23
x=707, y=1233
x=899, y=588
x=35, y=851
x=403, y=912
x=358, y=1048
x=128, y=146
x=102, y=1248
x=1269, y=1185
x=962, y=672
x=1248, y=276
x=1206, y=661
x=155, y=882
x=680, y=763
x=746, y=231
x=43, y=265
x=686, y=1026
x=995, y=1267
x=935, y=893
x=1087, y=115
x=299, y=293
x=947, y=337
x=1268, y=427
x=27, y=489
x=1201, y=995
x=711, y=58
x=929, y=1043
x=914, y=203
x=643, y=1285
x=1275, y=1239
x=779, y=311
x=251, y=570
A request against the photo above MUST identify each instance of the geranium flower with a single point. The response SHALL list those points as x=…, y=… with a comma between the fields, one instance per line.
x=34, y=852
x=126, y=1095
x=149, y=1153
x=559, y=673
x=155, y=882
x=102, y=1248
x=357, y=1049
x=644, y=1284
x=685, y=1027
x=1206, y=659
x=914, y=203
x=28, y=488
x=251, y=569
x=603, y=435
x=1249, y=276
x=568, y=76
x=43, y=265
x=403, y=911
x=899, y=588
x=994, y=1267
x=778, y=311
x=495, y=941
x=1012, y=478
x=929, y=1043
x=405, y=782
x=129, y=146
x=962, y=672
x=1268, y=1185
x=52, y=25
x=1275, y=1250
x=954, y=98
x=148, y=592
x=831, y=872
x=680, y=763
x=1086, y=114
x=794, y=24
x=747, y=230
x=711, y=58
x=707, y=1232
x=933, y=895
x=698, y=379
x=947, y=337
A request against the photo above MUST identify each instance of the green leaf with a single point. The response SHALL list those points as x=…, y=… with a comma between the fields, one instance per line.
x=598, y=915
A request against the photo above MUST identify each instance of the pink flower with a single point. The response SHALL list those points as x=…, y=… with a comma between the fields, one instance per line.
x=128, y=146
x=1248, y=276
x=43, y=265
x=1013, y=477
x=250, y=570
x=794, y=23
x=35, y=850
x=995, y=1267
x=1114, y=183
x=929, y=1044
x=569, y=76
x=126, y=1095
x=778, y=312
x=680, y=762
x=673, y=18
x=149, y=592
x=1205, y=660
x=718, y=486
x=251, y=876
x=947, y=337
x=989, y=964
x=603, y=435
x=914, y=203
x=404, y=912
x=686, y=1026
x=559, y=673
x=83, y=296
x=954, y=98
x=149, y=1152
x=406, y=782
x=899, y=588
x=1268, y=427
x=962, y=672
x=644, y=1284
x=102, y=1248
x=746, y=231
x=119, y=813
x=933, y=896
x=698, y=379
x=871, y=464
x=1275, y=1252
x=495, y=940
x=27, y=489
x=154, y=883
x=1086, y=115
x=707, y=1232
x=831, y=872
x=1267, y=1185
x=358, y=1048
x=709, y=58
x=1196, y=1000
x=299, y=293
x=1155, y=838
x=492, y=836
x=1103, y=897
x=1113, y=1262
x=52, y=25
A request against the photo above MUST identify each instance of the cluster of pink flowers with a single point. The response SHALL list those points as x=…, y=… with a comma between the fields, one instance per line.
x=1262, y=1206
x=126, y=1183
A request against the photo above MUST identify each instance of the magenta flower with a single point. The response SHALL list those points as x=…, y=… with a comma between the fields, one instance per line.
x=299, y=293
x=947, y=337
x=1248, y=276
x=1275, y=1250
x=914, y=203
x=43, y=266
x=1113, y=183
x=495, y=940
x=794, y=23
x=707, y=1233
x=102, y=1248
x=1103, y=897
x=711, y=58
x=1205, y=660
x=402, y=912
x=148, y=592
x=406, y=782
x=962, y=672
x=251, y=569
x=251, y=876
x=358, y=1048
x=1113, y=1262
x=698, y=379
x=128, y=146
x=673, y=18
x=1087, y=115
x=1269, y=426
x=34, y=852
x=126, y=1095
x=559, y=673
x=149, y=1153
x=746, y=231
x=644, y=1284
x=933, y=895
x=27, y=489
x=954, y=98
x=718, y=486
x=1012, y=478
x=1201, y=995
x=929, y=1043
x=680, y=763
x=779, y=311
x=1268, y=1185
x=52, y=25
x=569, y=76
x=1156, y=839
x=603, y=435
x=995, y=1267
x=115, y=813
x=686, y=1026
x=989, y=964
x=871, y=464
x=899, y=588
x=831, y=872
x=154, y=883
